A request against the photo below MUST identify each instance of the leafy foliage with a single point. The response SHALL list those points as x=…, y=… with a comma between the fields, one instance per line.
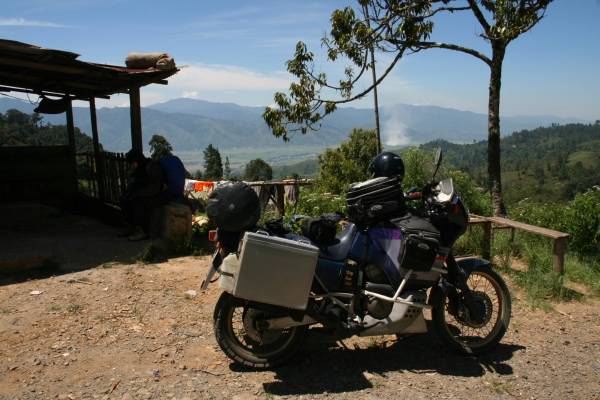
x=258, y=170
x=21, y=129
x=213, y=166
x=338, y=168
x=159, y=147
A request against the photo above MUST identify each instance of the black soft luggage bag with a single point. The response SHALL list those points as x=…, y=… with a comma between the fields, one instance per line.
x=421, y=243
x=374, y=200
x=234, y=207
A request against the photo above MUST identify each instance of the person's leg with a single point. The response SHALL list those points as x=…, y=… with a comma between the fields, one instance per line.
x=127, y=212
x=143, y=207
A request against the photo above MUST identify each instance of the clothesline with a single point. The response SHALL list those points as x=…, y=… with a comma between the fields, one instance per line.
x=264, y=190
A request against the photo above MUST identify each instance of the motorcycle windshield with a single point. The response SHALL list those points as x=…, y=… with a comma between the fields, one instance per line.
x=429, y=169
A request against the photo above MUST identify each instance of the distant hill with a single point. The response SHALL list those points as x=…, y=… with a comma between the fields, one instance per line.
x=190, y=124
x=547, y=163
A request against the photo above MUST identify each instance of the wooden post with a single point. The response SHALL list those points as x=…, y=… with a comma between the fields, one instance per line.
x=99, y=164
x=487, y=240
x=136, y=118
x=280, y=200
x=72, y=147
x=559, y=255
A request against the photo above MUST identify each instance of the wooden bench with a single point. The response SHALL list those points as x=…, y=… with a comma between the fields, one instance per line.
x=488, y=225
x=171, y=222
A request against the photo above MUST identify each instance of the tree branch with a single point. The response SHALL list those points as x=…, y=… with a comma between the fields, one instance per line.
x=480, y=17
x=432, y=45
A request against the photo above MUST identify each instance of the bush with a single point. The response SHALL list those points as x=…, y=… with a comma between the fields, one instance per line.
x=316, y=203
x=201, y=224
x=580, y=218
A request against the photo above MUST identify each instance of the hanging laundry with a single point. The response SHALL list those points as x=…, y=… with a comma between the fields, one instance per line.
x=291, y=193
x=204, y=186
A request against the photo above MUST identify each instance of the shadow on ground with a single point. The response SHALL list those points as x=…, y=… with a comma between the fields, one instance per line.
x=55, y=242
x=329, y=367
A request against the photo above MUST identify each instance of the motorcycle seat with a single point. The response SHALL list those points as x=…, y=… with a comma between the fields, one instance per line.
x=339, y=248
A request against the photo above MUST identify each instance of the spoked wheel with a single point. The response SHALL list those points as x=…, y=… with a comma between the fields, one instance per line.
x=239, y=330
x=454, y=322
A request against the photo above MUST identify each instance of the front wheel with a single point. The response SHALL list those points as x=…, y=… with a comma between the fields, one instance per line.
x=239, y=334
x=454, y=323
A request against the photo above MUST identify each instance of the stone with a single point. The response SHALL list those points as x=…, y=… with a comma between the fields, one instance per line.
x=127, y=396
x=142, y=391
x=171, y=221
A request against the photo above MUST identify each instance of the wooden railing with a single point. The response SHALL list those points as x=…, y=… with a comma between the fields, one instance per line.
x=491, y=223
x=107, y=175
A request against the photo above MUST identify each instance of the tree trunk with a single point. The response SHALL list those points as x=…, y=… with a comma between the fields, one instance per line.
x=494, y=170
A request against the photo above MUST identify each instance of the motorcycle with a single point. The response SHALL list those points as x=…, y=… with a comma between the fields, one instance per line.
x=371, y=280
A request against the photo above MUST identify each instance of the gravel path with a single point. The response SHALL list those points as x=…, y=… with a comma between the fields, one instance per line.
x=131, y=332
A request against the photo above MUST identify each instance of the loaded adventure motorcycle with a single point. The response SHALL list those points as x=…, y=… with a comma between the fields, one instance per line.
x=389, y=264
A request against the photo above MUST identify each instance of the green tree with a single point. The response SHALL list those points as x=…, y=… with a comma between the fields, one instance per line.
x=258, y=170
x=338, y=168
x=159, y=147
x=401, y=27
x=213, y=166
x=227, y=169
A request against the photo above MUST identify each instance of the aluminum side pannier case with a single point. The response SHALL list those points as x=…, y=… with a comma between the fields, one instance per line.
x=275, y=271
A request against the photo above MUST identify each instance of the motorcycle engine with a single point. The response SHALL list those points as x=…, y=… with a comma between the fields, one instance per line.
x=375, y=274
x=376, y=307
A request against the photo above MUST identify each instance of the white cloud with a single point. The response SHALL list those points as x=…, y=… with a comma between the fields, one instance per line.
x=191, y=95
x=24, y=22
x=198, y=78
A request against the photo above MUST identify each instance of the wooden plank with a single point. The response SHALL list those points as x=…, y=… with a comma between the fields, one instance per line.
x=559, y=255
x=136, y=118
x=487, y=240
x=94, y=123
x=280, y=204
x=529, y=228
x=106, y=73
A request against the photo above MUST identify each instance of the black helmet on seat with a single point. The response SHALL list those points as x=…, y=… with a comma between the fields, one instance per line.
x=387, y=164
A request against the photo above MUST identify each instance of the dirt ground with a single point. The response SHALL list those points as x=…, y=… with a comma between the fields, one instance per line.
x=122, y=330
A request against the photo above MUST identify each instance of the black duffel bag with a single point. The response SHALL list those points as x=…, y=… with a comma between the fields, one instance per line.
x=322, y=228
x=233, y=207
x=374, y=200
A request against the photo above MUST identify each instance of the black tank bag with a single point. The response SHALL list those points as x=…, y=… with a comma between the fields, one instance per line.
x=374, y=200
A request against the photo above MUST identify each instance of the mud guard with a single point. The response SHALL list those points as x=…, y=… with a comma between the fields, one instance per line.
x=469, y=264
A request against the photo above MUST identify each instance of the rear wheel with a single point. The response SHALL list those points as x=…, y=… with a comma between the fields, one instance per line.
x=454, y=322
x=240, y=334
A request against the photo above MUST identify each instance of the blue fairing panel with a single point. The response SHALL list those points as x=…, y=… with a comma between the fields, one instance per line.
x=330, y=273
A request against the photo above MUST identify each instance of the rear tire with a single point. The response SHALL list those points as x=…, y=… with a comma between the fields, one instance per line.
x=238, y=333
x=457, y=328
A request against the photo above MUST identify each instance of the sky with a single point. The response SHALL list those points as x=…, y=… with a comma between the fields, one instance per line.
x=234, y=51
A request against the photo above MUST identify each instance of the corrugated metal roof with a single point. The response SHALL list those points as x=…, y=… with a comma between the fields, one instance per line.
x=39, y=69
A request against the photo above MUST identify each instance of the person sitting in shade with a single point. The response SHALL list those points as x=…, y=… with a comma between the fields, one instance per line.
x=155, y=183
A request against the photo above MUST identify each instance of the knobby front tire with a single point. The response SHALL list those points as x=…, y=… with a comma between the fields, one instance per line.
x=238, y=333
x=452, y=319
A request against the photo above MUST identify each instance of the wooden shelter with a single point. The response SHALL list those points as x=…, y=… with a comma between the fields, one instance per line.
x=59, y=77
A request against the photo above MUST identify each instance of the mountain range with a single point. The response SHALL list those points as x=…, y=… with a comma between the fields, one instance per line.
x=191, y=125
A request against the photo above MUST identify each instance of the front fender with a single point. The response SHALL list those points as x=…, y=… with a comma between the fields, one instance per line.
x=469, y=264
